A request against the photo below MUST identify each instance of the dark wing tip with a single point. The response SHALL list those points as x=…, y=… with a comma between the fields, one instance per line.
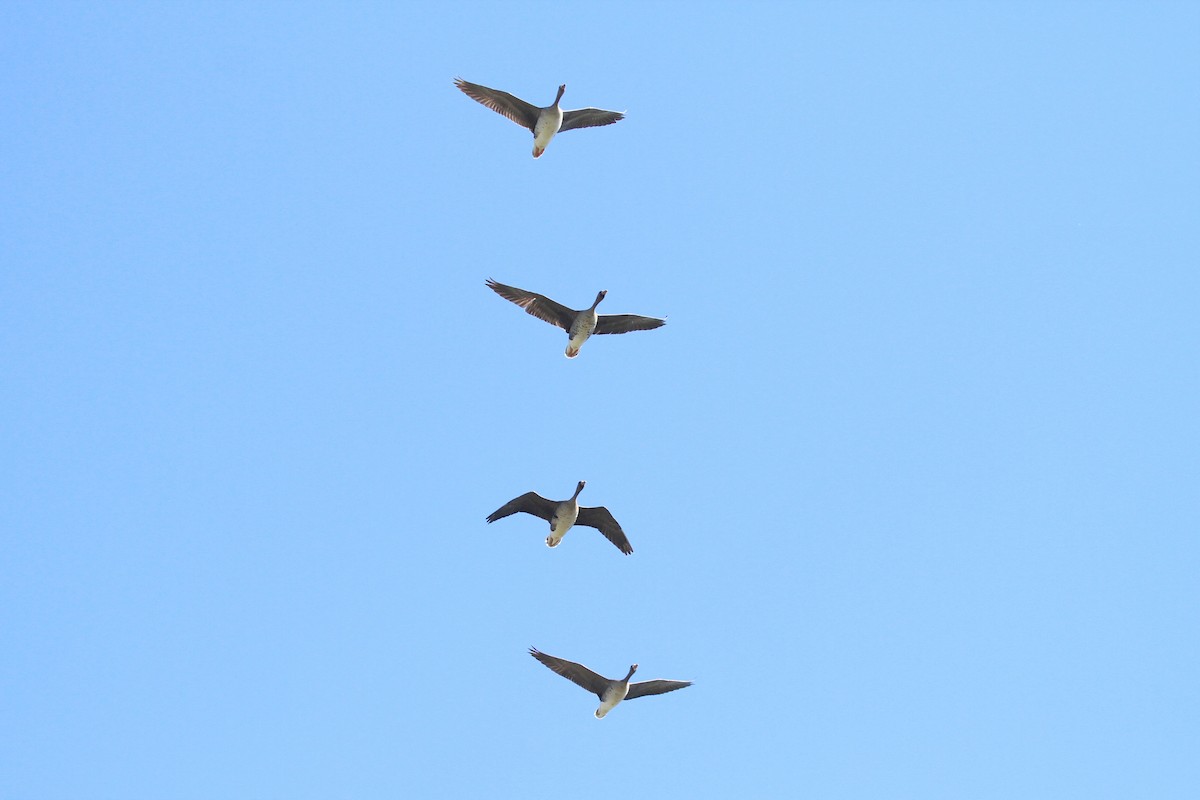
x=657, y=686
x=600, y=518
x=626, y=323
x=502, y=289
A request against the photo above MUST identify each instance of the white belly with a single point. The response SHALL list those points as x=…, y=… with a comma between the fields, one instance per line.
x=611, y=698
x=549, y=121
x=575, y=343
x=561, y=524
x=581, y=329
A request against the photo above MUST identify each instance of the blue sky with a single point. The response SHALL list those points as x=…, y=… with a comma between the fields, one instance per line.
x=910, y=473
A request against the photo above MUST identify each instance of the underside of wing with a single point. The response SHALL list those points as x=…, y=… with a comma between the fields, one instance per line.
x=654, y=687
x=589, y=118
x=528, y=503
x=576, y=673
x=516, y=109
x=538, y=305
x=602, y=520
x=624, y=323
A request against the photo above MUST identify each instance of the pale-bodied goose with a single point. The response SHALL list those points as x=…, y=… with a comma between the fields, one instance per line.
x=579, y=325
x=544, y=122
x=609, y=691
x=563, y=515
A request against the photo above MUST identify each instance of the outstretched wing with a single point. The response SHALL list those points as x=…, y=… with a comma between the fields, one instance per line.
x=538, y=305
x=589, y=118
x=530, y=503
x=624, y=323
x=516, y=109
x=602, y=520
x=576, y=673
x=654, y=687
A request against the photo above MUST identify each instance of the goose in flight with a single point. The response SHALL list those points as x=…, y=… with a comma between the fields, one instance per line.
x=563, y=515
x=609, y=691
x=579, y=325
x=544, y=122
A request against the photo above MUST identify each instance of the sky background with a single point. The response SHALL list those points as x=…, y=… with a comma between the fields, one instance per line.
x=911, y=472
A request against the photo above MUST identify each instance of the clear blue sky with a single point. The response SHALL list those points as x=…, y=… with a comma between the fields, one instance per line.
x=911, y=473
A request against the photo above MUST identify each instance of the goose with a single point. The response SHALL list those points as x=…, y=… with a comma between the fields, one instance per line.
x=579, y=325
x=564, y=514
x=609, y=691
x=544, y=122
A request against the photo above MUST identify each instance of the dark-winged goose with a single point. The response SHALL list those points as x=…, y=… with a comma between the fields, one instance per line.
x=609, y=691
x=579, y=325
x=543, y=122
x=563, y=514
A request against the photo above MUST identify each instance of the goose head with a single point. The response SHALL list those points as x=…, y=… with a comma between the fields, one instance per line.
x=632, y=669
x=599, y=296
x=578, y=489
x=562, y=88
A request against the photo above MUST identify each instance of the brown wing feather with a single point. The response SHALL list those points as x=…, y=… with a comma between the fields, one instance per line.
x=654, y=687
x=538, y=305
x=624, y=323
x=516, y=109
x=602, y=520
x=589, y=118
x=576, y=673
x=529, y=503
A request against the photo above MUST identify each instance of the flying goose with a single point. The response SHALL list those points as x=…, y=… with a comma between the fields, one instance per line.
x=544, y=122
x=579, y=325
x=609, y=691
x=564, y=514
